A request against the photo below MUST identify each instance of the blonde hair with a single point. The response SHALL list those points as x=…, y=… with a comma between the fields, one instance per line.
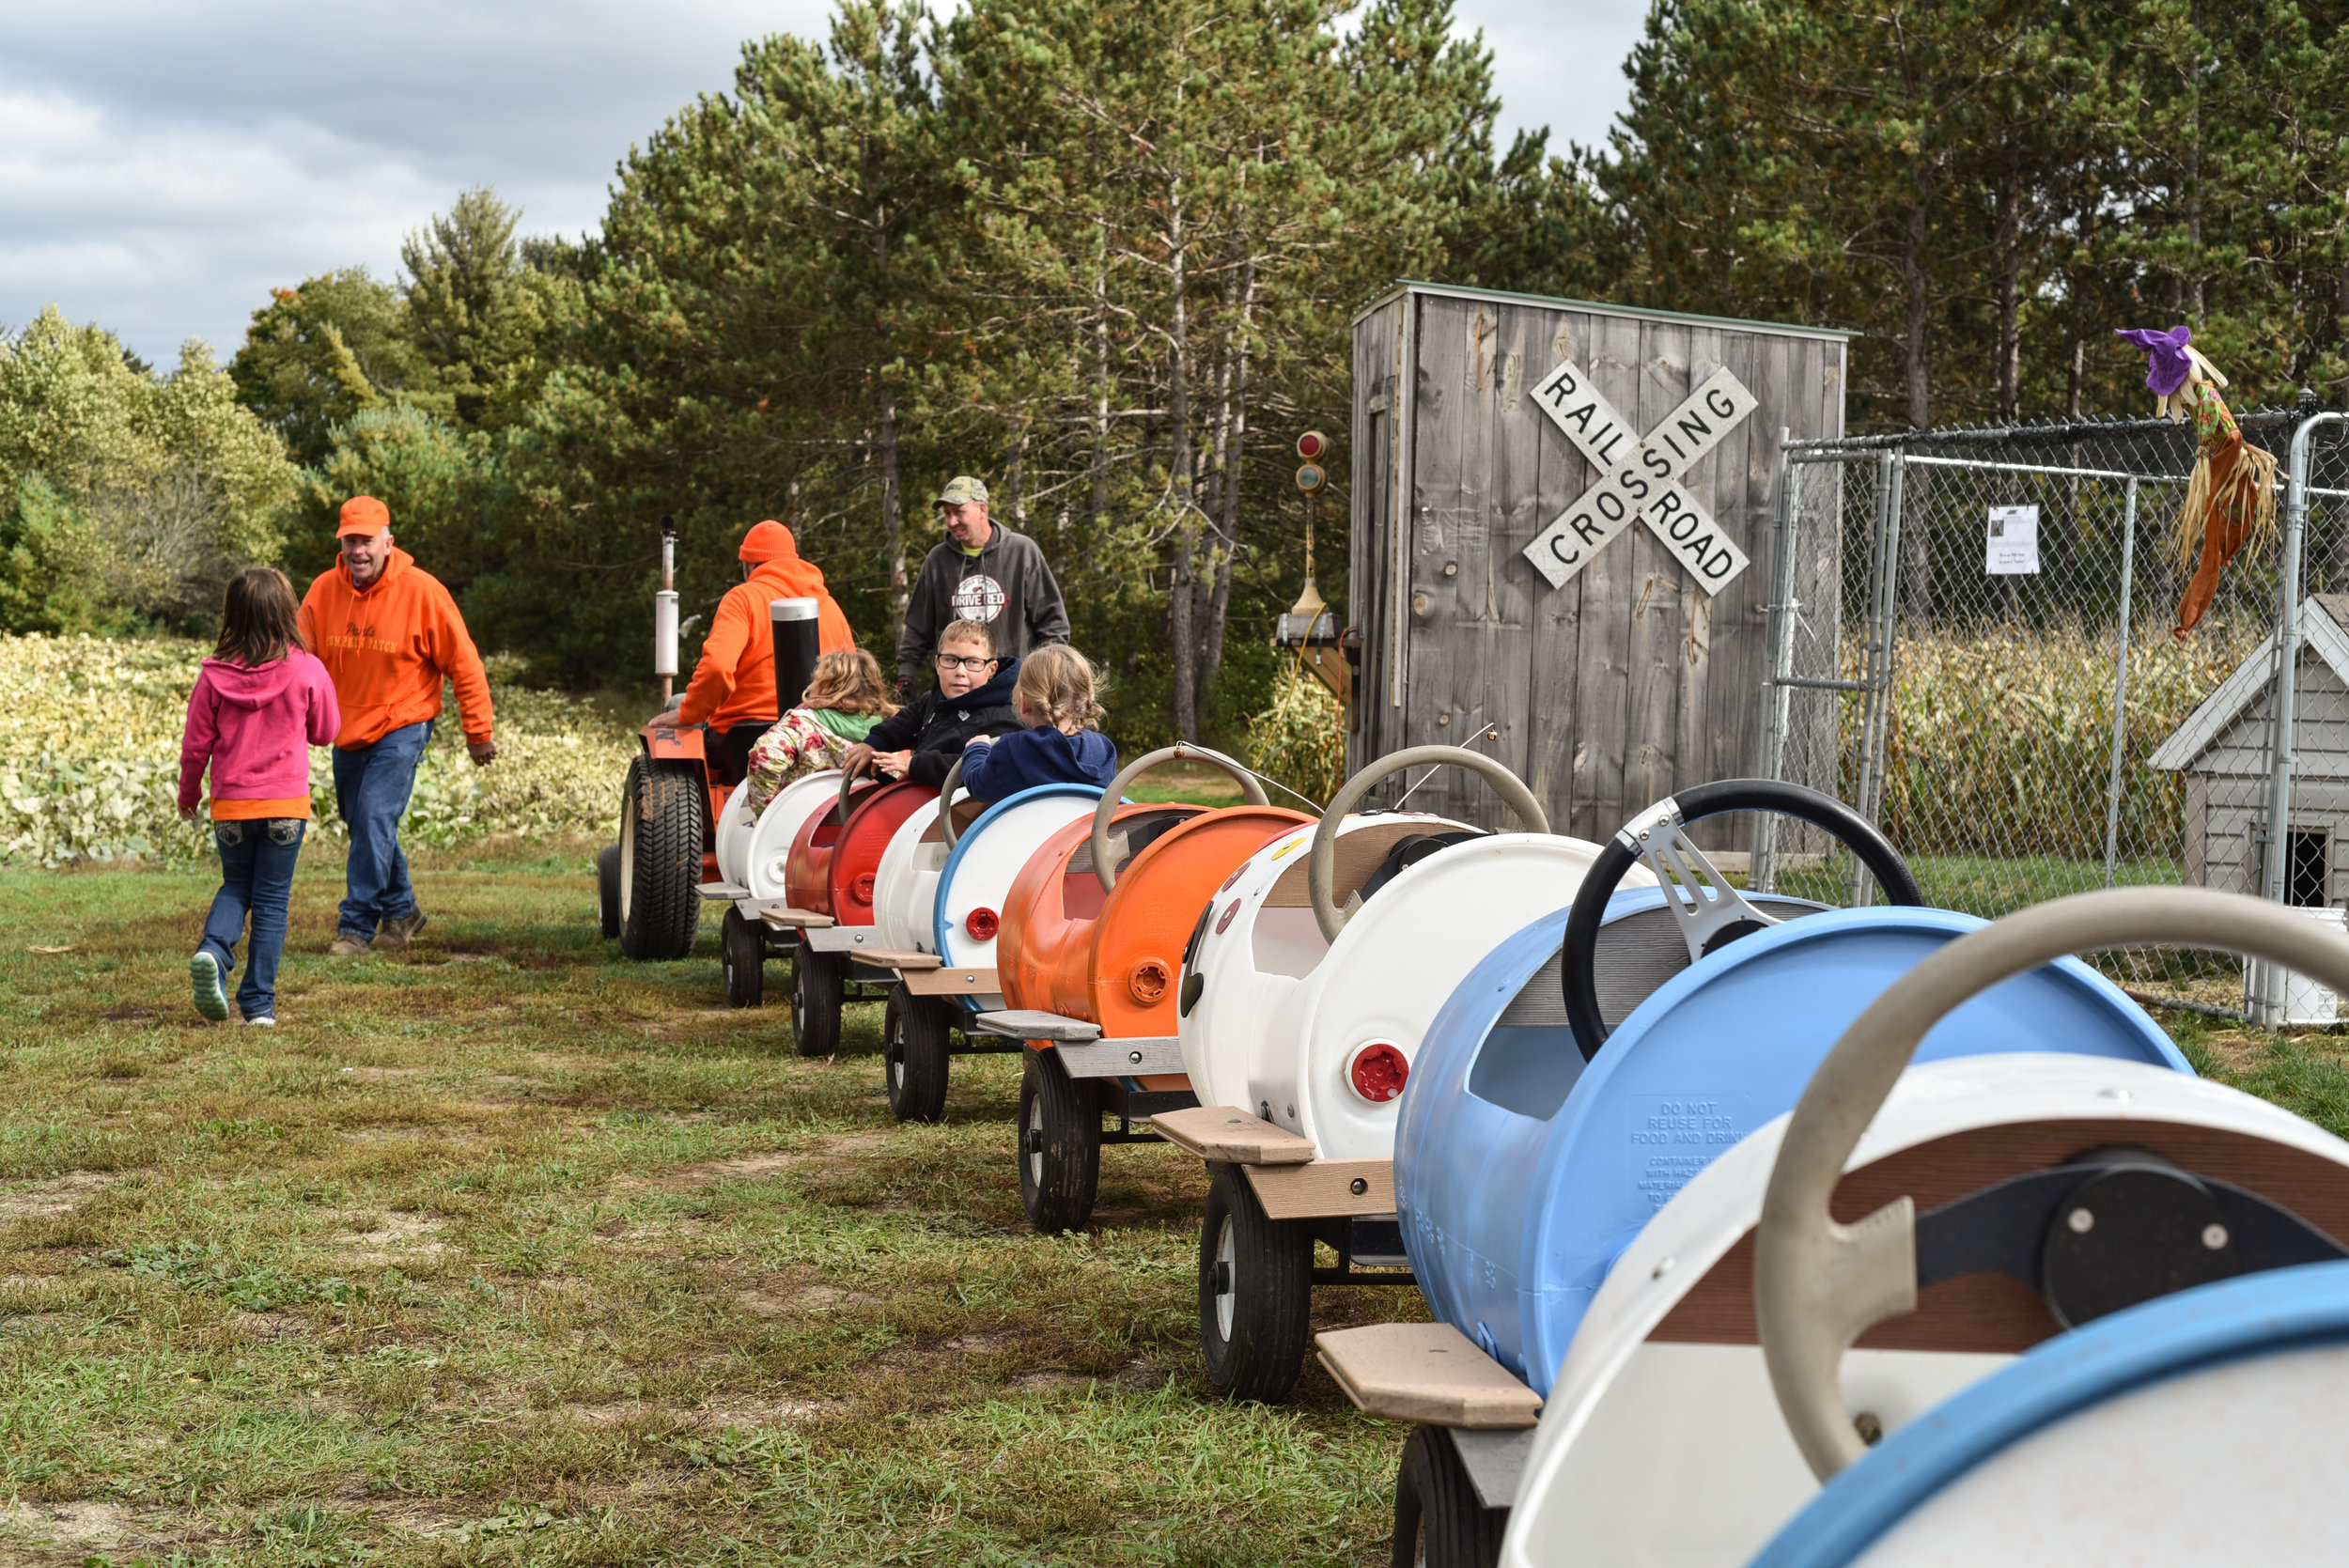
x=969, y=632
x=850, y=682
x=1056, y=682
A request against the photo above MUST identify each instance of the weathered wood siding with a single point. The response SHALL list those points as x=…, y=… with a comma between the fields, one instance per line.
x=2227, y=788
x=1628, y=683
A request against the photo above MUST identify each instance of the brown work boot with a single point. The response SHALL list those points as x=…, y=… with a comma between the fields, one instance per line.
x=399, y=933
x=350, y=944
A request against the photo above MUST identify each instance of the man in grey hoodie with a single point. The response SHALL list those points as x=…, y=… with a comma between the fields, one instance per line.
x=980, y=571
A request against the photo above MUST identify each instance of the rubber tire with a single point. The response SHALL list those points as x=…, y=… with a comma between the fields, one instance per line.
x=917, y=1036
x=819, y=985
x=742, y=959
x=662, y=806
x=608, y=889
x=1271, y=1292
x=1060, y=1144
x=1440, y=1522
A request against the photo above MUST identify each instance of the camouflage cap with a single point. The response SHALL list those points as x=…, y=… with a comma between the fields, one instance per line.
x=961, y=488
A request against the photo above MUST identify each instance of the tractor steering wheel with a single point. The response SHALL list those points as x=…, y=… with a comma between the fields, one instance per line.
x=1250, y=791
x=1321, y=864
x=1818, y=1285
x=946, y=803
x=1709, y=912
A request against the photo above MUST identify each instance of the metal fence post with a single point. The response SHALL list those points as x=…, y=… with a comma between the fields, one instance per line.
x=2266, y=998
x=1762, y=876
x=1875, y=723
x=2121, y=684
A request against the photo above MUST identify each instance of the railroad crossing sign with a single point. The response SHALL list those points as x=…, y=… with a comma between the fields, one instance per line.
x=1641, y=478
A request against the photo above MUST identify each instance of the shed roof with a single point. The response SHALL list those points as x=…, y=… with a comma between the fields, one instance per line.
x=1635, y=312
x=2323, y=616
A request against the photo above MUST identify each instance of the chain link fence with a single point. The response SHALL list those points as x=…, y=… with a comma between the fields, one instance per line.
x=1972, y=645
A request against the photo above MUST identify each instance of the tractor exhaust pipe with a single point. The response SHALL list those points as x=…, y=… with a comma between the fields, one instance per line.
x=793, y=621
x=664, y=614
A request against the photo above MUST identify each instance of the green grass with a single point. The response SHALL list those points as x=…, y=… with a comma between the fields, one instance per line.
x=503, y=1249
x=1981, y=885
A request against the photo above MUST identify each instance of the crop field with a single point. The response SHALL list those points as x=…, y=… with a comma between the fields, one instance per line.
x=505, y=1251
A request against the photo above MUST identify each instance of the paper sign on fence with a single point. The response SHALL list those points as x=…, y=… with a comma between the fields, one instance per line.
x=2012, y=548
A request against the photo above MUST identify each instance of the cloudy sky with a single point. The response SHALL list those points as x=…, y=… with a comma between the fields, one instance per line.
x=163, y=164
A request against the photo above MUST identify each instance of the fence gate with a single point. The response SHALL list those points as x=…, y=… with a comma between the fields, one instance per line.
x=1990, y=675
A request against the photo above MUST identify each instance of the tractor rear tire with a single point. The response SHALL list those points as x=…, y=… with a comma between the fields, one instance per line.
x=608, y=889
x=917, y=1034
x=818, y=988
x=1255, y=1291
x=662, y=807
x=1440, y=1522
x=742, y=958
x=1060, y=1144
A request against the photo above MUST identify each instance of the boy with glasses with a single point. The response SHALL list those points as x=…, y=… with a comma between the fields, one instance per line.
x=925, y=738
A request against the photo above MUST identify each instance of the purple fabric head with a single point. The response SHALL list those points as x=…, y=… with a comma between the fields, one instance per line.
x=2168, y=365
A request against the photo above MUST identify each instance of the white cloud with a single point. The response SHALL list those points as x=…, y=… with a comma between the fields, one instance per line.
x=163, y=164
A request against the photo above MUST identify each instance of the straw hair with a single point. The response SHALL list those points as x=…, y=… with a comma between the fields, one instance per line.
x=850, y=682
x=1056, y=685
x=969, y=632
x=257, y=618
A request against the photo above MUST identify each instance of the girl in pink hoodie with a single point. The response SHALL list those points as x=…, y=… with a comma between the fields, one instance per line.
x=260, y=705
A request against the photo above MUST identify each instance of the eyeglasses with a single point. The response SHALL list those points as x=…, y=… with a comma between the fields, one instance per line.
x=954, y=661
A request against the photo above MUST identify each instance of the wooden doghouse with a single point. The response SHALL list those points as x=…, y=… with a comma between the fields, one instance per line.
x=2222, y=754
x=1562, y=526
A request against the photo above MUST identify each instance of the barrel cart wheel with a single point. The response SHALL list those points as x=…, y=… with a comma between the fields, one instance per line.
x=819, y=985
x=742, y=954
x=662, y=806
x=1255, y=1291
x=1060, y=1144
x=608, y=889
x=1439, y=1520
x=917, y=1033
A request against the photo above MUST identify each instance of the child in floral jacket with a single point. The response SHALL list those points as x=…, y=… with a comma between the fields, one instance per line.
x=842, y=703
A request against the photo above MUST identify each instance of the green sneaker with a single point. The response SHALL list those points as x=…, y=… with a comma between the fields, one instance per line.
x=211, y=1000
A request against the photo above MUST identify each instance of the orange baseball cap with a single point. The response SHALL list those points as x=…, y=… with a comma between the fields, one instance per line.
x=364, y=515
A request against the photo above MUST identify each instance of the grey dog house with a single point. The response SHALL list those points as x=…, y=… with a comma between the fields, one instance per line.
x=2221, y=753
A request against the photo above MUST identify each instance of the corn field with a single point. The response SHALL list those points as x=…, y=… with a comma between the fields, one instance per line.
x=1300, y=739
x=90, y=759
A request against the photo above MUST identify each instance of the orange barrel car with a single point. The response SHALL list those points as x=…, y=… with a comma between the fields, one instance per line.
x=1093, y=935
x=828, y=883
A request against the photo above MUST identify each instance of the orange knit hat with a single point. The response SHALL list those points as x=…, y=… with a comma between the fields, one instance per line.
x=770, y=541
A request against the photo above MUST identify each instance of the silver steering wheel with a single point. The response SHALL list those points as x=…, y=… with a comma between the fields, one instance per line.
x=1818, y=1285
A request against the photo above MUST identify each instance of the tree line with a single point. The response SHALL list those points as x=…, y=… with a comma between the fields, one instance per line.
x=1105, y=255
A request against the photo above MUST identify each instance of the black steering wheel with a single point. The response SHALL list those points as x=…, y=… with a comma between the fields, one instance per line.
x=1709, y=912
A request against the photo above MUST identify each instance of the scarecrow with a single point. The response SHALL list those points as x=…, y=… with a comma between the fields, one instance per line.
x=2231, y=499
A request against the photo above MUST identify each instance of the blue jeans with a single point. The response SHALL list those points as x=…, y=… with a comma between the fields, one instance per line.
x=256, y=871
x=371, y=788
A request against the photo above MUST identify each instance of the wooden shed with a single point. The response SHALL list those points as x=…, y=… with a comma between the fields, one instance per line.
x=1563, y=522
x=2222, y=752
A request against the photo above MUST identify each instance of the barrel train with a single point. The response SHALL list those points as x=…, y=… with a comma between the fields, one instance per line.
x=1753, y=1230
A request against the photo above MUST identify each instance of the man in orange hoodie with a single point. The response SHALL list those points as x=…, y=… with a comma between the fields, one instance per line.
x=733, y=688
x=389, y=634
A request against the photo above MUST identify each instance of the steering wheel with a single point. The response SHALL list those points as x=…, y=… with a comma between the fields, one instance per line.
x=1818, y=1285
x=1321, y=864
x=946, y=803
x=1250, y=791
x=1709, y=912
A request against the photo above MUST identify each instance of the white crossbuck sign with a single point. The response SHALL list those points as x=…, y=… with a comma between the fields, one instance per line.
x=1642, y=479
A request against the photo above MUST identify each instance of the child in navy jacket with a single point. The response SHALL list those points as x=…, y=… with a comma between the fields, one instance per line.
x=1054, y=696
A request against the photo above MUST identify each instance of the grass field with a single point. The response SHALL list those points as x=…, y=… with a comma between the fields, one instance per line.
x=506, y=1250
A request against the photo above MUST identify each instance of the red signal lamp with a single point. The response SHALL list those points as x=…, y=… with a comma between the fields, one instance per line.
x=1312, y=445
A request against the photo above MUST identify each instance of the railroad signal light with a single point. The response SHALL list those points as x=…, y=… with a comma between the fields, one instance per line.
x=1310, y=479
x=1312, y=446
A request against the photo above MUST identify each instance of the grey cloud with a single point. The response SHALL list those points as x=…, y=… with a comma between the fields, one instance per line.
x=163, y=164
